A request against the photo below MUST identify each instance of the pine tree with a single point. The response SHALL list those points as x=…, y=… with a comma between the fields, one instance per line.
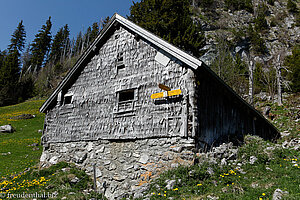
x=95, y=31
x=171, y=20
x=86, y=38
x=59, y=44
x=104, y=22
x=41, y=46
x=2, y=57
x=18, y=38
x=10, y=67
x=78, y=43
x=9, y=76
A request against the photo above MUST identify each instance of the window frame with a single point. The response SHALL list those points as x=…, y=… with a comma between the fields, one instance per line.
x=130, y=102
x=70, y=95
x=120, y=65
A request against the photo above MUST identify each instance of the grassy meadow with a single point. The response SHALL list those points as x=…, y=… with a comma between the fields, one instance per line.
x=15, y=152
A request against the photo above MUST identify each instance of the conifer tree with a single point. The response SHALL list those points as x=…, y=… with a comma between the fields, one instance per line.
x=78, y=44
x=9, y=75
x=171, y=20
x=86, y=38
x=104, y=22
x=10, y=67
x=2, y=57
x=18, y=38
x=94, y=32
x=59, y=44
x=41, y=46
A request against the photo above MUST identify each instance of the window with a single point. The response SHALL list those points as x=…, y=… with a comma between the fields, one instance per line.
x=126, y=100
x=120, y=57
x=126, y=96
x=120, y=67
x=67, y=99
x=120, y=63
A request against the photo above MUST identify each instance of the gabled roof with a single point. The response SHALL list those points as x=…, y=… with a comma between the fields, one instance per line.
x=116, y=20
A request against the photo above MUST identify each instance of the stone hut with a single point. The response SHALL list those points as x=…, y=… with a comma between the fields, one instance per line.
x=135, y=105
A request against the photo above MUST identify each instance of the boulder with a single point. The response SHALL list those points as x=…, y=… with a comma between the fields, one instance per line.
x=23, y=116
x=266, y=110
x=252, y=160
x=170, y=184
x=278, y=193
x=6, y=129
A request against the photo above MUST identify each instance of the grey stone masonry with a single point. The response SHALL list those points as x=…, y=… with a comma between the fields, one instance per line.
x=123, y=167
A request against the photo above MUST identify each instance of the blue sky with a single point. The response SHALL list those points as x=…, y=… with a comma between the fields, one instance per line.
x=34, y=13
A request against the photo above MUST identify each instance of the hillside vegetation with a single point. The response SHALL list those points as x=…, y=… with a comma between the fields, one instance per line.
x=253, y=171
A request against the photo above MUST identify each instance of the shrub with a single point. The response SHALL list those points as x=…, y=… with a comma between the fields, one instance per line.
x=271, y=2
x=260, y=22
x=293, y=63
x=291, y=6
x=206, y=3
x=239, y=5
x=258, y=43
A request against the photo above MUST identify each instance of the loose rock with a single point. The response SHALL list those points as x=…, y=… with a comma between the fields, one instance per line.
x=278, y=193
x=6, y=129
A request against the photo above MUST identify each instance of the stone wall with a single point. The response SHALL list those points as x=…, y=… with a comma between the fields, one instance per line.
x=123, y=167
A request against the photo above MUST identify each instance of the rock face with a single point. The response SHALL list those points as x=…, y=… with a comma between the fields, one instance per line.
x=6, y=129
x=282, y=33
x=123, y=168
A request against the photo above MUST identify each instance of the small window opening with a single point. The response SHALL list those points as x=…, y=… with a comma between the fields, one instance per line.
x=68, y=100
x=120, y=64
x=126, y=96
x=119, y=67
x=120, y=57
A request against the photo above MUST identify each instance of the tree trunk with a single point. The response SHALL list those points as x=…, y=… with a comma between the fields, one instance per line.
x=278, y=77
x=251, y=90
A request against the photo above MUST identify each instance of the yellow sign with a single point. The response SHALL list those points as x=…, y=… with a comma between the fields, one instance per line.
x=166, y=94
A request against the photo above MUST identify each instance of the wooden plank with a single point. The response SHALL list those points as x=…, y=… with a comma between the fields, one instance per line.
x=164, y=87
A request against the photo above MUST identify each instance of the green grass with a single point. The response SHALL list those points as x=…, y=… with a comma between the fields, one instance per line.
x=21, y=155
x=228, y=182
x=19, y=170
x=55, y=181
